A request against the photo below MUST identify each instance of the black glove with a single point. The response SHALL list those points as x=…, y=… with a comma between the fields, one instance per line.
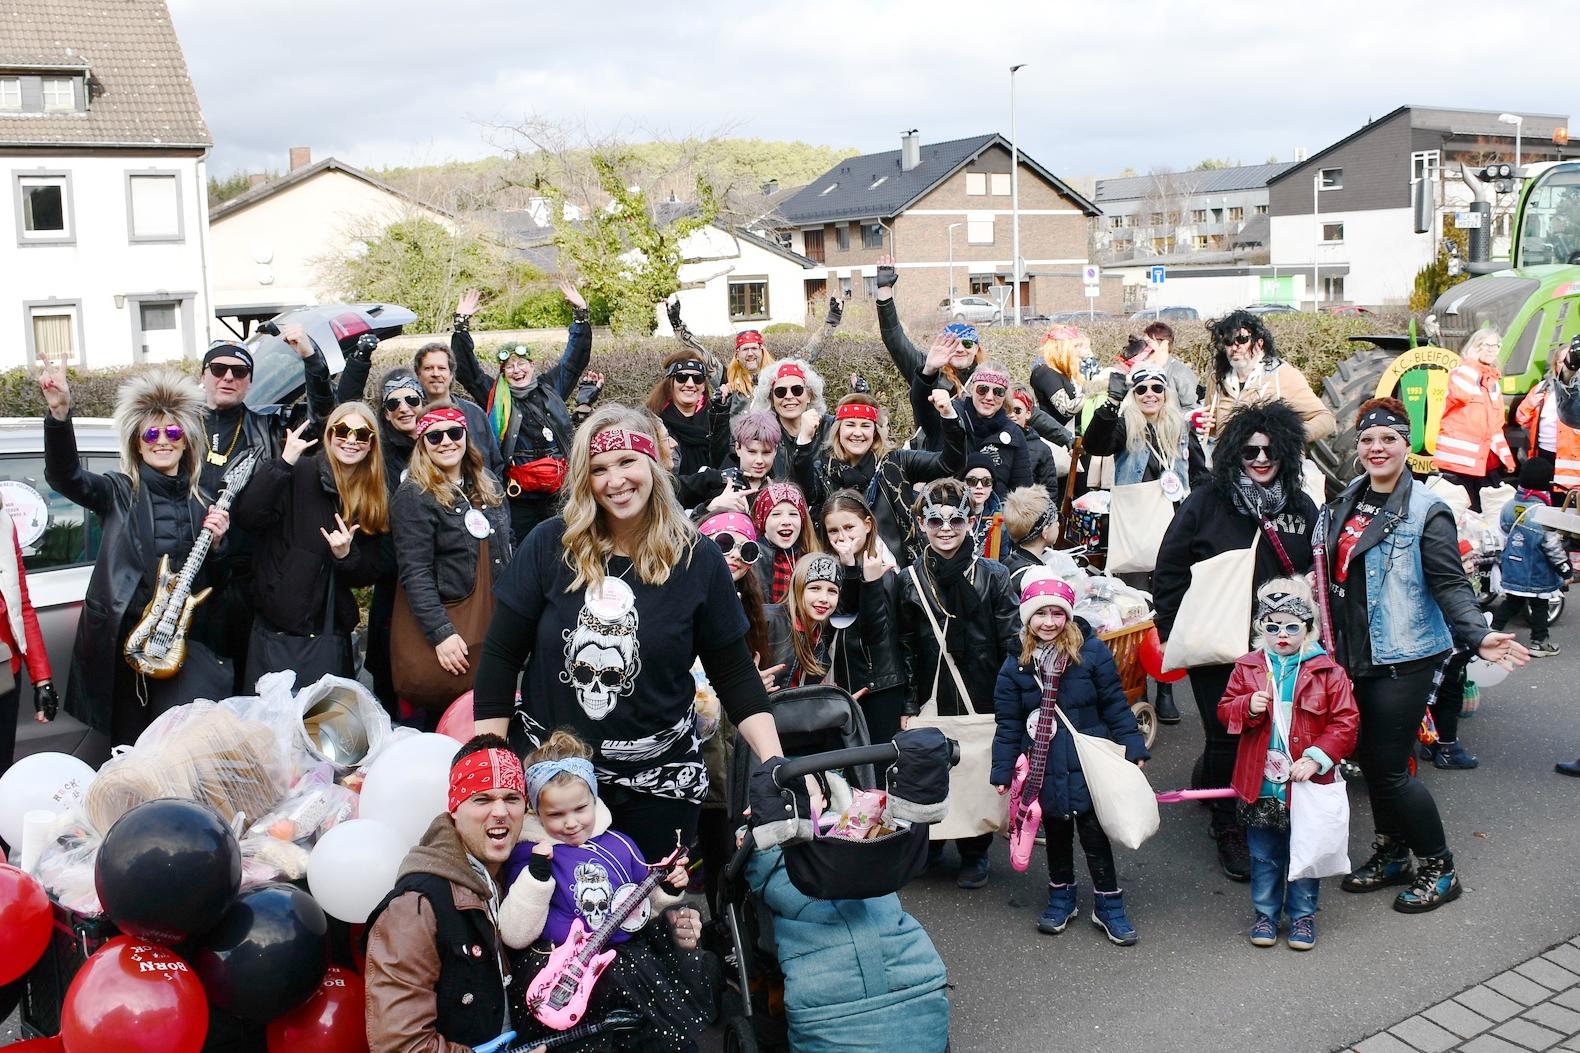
x=461, y=323
x=779, y=816
x=365, y=346
x=836, y=312
x=859, y=383
x=887, y=275
x=587, y=391
x=1572, y=359
x=919, y=780
x=1118, y=385
x=45, y=700
x=672, y=308
x=579, y=314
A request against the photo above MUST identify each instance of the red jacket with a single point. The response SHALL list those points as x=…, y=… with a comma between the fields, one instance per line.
x=37, y=658
x=1324, y=716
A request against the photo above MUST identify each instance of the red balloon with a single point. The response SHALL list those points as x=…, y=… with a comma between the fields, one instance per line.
x=331, y=1021
x=36, y=1045
x=25, y=923
x=134, y=997
x=457, y=719
x=1149, y=651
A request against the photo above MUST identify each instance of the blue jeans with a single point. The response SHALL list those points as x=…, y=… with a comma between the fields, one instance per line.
x=1270, y=893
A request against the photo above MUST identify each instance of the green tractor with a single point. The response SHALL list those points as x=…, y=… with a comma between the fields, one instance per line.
x=1532, y=299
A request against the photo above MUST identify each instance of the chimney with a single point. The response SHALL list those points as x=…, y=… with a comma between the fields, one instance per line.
x=910, y=150
x=301, y=157
x=256, y=179
x=1300, y=153
x=770, y=187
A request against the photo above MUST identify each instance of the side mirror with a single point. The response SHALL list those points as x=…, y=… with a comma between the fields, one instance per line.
x=1424, y=204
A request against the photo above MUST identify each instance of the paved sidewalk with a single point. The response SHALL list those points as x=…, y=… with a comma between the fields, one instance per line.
x=1534, y=1006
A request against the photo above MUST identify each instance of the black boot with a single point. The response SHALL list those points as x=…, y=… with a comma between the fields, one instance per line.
x=1234, y=855
x=1389, y=865
x=1167, y=711
x=1435, y=884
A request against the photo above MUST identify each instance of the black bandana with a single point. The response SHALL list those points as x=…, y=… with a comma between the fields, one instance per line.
x=1382, y=417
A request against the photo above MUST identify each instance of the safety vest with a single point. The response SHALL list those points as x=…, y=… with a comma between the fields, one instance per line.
x=1566, y=463
x=1471, y=427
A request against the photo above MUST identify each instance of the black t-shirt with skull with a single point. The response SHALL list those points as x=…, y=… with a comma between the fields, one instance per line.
x=616, y=667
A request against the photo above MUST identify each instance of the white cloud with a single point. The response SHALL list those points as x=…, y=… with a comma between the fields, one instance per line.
x=1107, y=86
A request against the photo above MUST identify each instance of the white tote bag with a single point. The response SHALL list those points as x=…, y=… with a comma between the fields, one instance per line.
x=1213, y=624
x=1138, y=517
x=975, y=806
x=1319, y=829
x=1126, y=807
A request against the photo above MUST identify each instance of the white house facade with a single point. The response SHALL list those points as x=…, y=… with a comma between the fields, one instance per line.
x=741, y=281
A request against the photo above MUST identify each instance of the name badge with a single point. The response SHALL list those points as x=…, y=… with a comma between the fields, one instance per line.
x=1173, y=486
x=477, y=523
x=1276, y=770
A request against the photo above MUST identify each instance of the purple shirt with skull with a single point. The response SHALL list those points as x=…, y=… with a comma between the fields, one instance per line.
x=588, y=881
x=615, y=666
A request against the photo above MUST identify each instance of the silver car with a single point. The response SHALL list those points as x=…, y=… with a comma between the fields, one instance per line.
x=978, y=310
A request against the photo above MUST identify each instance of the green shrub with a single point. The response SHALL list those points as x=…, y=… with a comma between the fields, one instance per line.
x=783, y=327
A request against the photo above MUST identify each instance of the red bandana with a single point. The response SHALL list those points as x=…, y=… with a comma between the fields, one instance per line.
x=856, y=411
x=611, y=439
x=1022, y=398
x=750, y=336
x=442, y=415
x=483, y=771
x=789, y=369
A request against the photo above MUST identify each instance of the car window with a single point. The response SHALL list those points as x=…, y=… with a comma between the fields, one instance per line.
x=54, y=532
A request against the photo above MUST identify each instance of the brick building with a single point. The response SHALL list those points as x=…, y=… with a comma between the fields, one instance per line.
x=928, y=204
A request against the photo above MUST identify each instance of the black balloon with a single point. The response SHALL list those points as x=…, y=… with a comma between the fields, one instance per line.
x=167, y=870
x=267, y=955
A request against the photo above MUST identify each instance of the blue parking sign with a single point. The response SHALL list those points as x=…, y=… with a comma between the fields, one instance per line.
x=1157, y=275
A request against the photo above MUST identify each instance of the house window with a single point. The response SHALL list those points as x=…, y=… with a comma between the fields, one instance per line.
x=1260, y=210
x=1199, y=241
x=1156, y=219
x=827, y=190
x=1331, y=179
x=1130, y=220
x=844, y=287
x=44, y=206
x=153, y=207
x=842, y=238
x=1332, y=232
x=979, y=231
x=59, y=95
x=982, y=284
x=10, y=93
x=157, y=317
x=871, y=236
x=1198, y=215
x=1001, y=187
x=812, y=244
x=54, y=331
x=869, y=286
x=1160, y=246
x=1333, y=288
x=976, y=184
x=1237, y=214
x=1425, y=164
x=1116, y=222
x=876, y=183
x=748, y=299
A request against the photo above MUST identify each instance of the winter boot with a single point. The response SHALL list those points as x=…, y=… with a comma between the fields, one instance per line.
x=1108, y=914
x=1234, y=855
x=1061, y=909
x=1167, y=711
x=973, y=872
x=1452, y=756
x=1435, y=884
x=1389, y=865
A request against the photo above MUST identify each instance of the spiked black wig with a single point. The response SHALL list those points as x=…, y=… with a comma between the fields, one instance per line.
x=1232, y=323
x=1285, y=432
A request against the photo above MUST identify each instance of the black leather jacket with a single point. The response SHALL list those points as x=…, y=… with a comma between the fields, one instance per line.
x=980, y=637
x=437, y=556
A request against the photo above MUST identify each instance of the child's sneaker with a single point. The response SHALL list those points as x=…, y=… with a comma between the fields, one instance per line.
x=1264, y=931
x=1544, y=649
x=1453, y=756
x=1302, y=934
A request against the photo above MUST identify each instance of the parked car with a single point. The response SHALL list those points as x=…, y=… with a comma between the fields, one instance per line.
x=978, y=310
x=1077, y=317
x=1272, y=308
x=1167, y=314
x=1345, y=310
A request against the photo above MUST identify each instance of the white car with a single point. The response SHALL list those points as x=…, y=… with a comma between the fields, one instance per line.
x=978, y=310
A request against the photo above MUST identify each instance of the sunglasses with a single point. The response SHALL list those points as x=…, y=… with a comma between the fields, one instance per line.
x=437, y=435
x=350, y=433
x=1241, y=339
x=745, y=551
x=173, y=432
x=395, y=402
x=239, y=370
x=1252, y=451
x=504, y=354
x=694, y=379
x=1281, y=628
x=968, y=344
x=937, y=522
x=1151, y=389
x=979, y=480
x=990, y=390
x=791, y=391
x=585, y=674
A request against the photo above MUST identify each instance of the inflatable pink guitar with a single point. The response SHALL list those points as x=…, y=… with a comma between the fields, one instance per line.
x=1025, y=792
x=559, y=993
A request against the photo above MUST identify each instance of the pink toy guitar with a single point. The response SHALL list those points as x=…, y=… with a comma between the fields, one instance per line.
x=1025, y=792
x=559, y=993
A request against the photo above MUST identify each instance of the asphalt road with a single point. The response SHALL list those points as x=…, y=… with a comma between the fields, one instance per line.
x=1193, y=983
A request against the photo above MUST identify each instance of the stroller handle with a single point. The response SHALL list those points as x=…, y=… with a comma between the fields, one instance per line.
x=880, y=753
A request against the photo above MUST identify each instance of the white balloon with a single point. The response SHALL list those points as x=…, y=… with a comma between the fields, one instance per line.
x=409, y=784
x=1483, y=673
x=353, y=867
x=51, y=782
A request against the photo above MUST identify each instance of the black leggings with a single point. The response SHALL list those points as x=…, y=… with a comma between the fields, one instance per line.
x=651, y=821
x=1060, y=835
x=1535, y=609
x=1402, y=807
x=1215, y=768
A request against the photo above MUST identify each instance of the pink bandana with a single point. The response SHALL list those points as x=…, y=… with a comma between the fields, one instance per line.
x=483, y=771
x=731, y=523
x=988, y=376
x=611, y=439
x=442, y=415
x=777, y=494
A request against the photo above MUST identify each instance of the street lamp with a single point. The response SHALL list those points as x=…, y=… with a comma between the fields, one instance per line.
x=1014, y=200
x=1316, y=239
x=952, y=227
x=1519, y=126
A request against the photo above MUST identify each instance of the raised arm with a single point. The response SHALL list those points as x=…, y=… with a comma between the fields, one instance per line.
x=907, y=359
x=320, y=393
x=564, y=374
x=63, y=468
x=814, y=346
x=468, y=370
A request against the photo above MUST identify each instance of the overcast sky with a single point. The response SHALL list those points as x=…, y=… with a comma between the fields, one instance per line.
x=1109, y=84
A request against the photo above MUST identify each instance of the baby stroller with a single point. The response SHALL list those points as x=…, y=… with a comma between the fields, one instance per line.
x=859, y=972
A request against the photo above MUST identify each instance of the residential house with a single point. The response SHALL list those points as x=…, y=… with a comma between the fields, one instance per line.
x=943, y=210
x=268, y=246
x=1345, y=213
x=102, y=149
x=737, y=279
x=1178, y=213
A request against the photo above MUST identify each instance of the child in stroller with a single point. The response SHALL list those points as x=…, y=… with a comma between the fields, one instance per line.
x=823, y=956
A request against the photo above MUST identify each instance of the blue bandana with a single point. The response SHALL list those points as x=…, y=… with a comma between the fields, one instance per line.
x=540, y=774
x=962, y=331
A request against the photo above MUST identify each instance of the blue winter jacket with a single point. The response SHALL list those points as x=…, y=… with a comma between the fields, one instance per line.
x=1534, y=563
x=859, y=973
x=1091, y=696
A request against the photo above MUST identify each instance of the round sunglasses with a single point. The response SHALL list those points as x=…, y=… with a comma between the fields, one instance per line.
x=745, y=551
x=990, y=390
x=957, y=521
x=791, y=391
x=173, y=433
x=504, y=354
x=1150, y=389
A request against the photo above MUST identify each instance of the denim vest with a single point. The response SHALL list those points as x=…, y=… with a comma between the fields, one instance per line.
x=1525, y=567
x=1130, y=466
x=1403, y=622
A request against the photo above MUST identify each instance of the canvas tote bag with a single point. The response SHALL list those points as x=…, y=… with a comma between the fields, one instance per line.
x=1138, y=517
x=1213, y=626
x=974, y=804
x=1122, y=799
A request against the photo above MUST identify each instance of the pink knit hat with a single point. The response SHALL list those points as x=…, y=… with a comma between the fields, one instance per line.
x=1044, y=590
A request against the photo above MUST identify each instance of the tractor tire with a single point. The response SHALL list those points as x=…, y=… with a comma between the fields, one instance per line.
x=1352, y=383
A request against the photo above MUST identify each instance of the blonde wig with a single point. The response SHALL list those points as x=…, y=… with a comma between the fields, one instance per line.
x=478, y=484
x=1063, y=348
x=148, y=399
x=1168, y=428
x=666, y=537
x=363, y=497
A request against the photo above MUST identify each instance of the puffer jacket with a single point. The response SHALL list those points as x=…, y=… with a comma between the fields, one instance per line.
x=1091, y=695
x=436, y=555
x=1324, y=717
x=859, y=973
x=980, y=637
x=1534, y=561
